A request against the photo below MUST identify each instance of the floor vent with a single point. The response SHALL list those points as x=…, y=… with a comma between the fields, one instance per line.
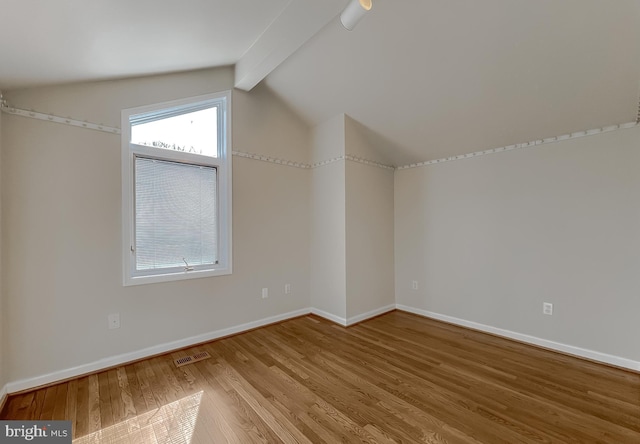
x=191, y=359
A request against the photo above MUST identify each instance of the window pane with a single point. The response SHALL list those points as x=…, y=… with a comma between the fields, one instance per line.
x=194, y=132
x=175, y=217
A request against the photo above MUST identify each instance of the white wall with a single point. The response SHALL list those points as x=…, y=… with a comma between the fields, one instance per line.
x=492, y=237
x=61, y=234
x=328, y=261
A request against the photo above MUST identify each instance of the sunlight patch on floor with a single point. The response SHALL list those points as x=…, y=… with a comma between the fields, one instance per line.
x=172, y=423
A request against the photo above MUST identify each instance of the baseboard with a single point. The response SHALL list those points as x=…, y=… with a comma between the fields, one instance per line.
x=331, y=317
x=556, y=346
x=370, y=314
x=30, y=383
x=346, y=322
x=102, y=364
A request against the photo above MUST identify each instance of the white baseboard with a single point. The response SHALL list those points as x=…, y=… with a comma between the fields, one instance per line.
x=29, y=383
x=95, y=366
x=329, y=316
x=564, y=348
x=345, y=322
x=370, y=314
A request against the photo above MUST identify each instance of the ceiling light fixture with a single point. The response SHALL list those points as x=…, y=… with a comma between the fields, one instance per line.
x=353, y=13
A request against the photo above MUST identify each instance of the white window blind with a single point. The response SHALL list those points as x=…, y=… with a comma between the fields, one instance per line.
x=175, y=216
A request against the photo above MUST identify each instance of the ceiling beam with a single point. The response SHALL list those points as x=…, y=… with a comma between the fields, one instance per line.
x=299, y=21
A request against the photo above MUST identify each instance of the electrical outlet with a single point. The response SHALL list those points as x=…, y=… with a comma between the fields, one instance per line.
x=414, y=285
x=113, y=320
x=287, y=288
x=547, y=308
x=265, y=293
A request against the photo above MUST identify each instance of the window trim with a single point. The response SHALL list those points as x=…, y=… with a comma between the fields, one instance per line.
x=223, y=164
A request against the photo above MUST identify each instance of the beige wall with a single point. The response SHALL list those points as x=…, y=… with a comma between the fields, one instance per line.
x=62, y=231
x=365, y=144
x=369, y=238
x=328, y=267
x=283, y=135
x=329, y=139
x=491, y=238
x=352, y=271
x=3, y=321
x=369, y=227
x=488, y=239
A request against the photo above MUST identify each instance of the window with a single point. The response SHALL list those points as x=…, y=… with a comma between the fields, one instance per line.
x=176, y=172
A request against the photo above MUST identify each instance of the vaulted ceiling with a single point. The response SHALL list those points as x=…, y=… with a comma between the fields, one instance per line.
x=424, y=79
x=44, y=42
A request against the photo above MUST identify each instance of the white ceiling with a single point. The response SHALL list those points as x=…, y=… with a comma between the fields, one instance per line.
x=56, y=41
x=423, y=79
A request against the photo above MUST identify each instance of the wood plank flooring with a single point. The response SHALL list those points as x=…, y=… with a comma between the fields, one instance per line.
x=395, y=378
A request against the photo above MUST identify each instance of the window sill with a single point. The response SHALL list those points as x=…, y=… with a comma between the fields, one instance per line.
x=170, y=277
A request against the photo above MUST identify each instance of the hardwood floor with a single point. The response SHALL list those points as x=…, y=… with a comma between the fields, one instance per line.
x=395, y=378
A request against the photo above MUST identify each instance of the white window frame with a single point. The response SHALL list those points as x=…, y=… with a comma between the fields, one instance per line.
x=222, y=163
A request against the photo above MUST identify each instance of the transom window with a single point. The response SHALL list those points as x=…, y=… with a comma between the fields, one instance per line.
x=176, y=190
x=192, y=130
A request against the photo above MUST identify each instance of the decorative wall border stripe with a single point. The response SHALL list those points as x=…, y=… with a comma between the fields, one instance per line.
x=57, y=119
x=517, y=146
x=4, y=107
x=327, y=162
x=349, y=157
x=353, y=159
x=369, y=162
x=268, y=159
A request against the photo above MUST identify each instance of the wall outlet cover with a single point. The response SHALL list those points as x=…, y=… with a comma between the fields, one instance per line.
x=113, y=321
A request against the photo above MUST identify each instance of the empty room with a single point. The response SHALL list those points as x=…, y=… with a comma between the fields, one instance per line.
x=413, y=221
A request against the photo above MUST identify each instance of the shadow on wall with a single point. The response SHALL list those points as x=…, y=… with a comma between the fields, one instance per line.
x=388, y=152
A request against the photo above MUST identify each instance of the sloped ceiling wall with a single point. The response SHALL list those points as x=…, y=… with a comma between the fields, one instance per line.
x=435, y=78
